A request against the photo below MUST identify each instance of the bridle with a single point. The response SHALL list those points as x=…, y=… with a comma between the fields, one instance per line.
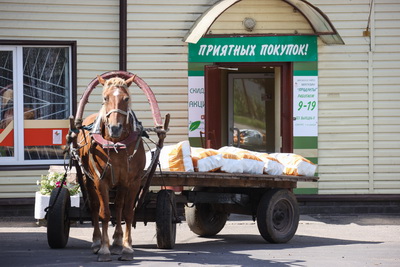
x=128, y=114
x=118, y=111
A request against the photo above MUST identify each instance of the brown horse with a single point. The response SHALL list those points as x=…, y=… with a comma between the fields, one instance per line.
x=113, y=158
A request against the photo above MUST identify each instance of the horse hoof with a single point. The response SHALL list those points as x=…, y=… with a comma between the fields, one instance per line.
x=96, y=247
x=116, y=249
x=103, y=257
x=126, y=257
x=95, y=250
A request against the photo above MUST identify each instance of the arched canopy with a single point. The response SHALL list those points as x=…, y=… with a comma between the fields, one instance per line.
x=318, y=20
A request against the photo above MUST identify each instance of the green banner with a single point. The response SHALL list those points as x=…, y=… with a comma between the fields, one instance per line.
x=254, y=49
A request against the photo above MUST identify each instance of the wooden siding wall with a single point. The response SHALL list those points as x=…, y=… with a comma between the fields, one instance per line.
x=157, y=53
x=272, y=16
x=359, y=100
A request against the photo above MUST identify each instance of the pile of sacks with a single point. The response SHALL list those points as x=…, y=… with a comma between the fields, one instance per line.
x=183, y=158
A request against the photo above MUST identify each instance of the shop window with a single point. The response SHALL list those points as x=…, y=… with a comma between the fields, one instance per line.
x=35, y=103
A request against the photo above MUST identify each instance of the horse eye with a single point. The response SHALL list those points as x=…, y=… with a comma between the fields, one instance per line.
x=105, y=99
x=126, y=99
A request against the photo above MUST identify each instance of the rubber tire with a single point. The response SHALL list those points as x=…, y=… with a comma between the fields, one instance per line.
x=204, y=220
x=165, y=219
x=278, y=216
x=58, y=223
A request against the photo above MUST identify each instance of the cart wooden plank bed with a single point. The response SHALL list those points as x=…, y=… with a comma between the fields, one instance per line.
x=219, y=179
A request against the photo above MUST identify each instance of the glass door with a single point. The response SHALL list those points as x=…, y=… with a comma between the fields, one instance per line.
x=254, y=111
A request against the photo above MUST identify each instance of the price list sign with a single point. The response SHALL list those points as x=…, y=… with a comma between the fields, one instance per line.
x=305, y=106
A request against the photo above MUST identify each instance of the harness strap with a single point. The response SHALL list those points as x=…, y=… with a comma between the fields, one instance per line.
x=118, y=111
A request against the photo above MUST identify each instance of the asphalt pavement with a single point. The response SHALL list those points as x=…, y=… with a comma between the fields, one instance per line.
x=358, y=240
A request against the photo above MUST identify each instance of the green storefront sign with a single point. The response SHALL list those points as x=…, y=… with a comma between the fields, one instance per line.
x=254, y=49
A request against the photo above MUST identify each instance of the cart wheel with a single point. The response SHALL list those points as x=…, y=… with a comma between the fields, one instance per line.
x=205, y=220
x=278, y=216
x=58, y=223
x=165, y=219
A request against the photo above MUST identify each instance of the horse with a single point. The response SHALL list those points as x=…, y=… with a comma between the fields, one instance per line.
x=112, y=158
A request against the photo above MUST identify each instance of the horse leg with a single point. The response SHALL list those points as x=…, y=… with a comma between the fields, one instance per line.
x=127, y=251
x=117, y=247
x=94, y=210
x=105, y=215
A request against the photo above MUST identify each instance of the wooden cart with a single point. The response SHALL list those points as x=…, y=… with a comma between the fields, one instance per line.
x=206, y=202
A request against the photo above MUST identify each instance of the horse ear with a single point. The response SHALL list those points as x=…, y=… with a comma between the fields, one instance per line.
x=101, y=80
x=130, y=80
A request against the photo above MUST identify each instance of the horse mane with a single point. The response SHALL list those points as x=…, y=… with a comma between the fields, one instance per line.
x=117, y=82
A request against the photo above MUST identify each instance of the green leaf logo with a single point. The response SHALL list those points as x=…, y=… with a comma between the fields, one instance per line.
x=194, y=125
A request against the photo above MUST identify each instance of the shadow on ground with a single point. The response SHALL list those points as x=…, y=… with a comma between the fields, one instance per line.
x=31, y=249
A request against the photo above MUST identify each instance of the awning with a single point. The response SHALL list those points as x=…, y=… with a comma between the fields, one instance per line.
x=318, y=20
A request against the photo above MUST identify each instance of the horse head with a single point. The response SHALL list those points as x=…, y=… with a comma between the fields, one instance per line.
x=116, y=110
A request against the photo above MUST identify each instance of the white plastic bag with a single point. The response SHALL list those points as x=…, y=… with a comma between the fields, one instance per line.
x=174, y=158
x=206, y=160
x=295, y=164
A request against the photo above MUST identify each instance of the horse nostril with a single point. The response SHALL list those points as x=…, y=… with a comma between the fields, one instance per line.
x=115, y=130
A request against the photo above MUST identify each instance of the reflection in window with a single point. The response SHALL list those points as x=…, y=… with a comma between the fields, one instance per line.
x=6, y=104
x=46, y=93
x=42, y=93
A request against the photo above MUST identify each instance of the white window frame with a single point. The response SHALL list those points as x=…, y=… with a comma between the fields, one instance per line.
x=18, y=98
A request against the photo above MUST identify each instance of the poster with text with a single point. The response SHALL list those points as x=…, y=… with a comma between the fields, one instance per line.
x=196, y=105
x=305, y=106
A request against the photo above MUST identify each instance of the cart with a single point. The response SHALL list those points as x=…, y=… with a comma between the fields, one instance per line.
x=206, y=202
x=209, y=197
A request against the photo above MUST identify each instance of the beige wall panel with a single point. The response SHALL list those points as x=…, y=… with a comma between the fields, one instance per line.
x=157, y=53
x=381, y=58
x=348, y=105
x=387, y=137
x=386, y=144
x=271, y=17
x=388, y=160
x=155, y=58
x=327, y=154
x=345, y=122
x=350, y=19
x=343, y=113
x=349, y=145
x=343, y=136
x=14, y=184
x=355, y=186
x=338, y=177
x=386, y=177
x=341, y=161
x=343, y=96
